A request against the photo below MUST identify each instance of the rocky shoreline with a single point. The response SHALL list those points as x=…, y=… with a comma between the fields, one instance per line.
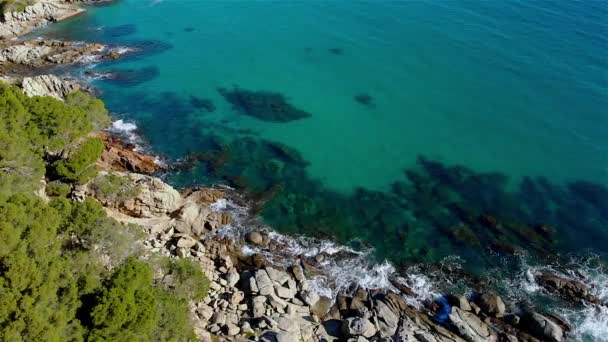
x=252, y=297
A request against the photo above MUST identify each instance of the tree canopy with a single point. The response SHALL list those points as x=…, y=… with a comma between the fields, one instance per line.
x=68, y=272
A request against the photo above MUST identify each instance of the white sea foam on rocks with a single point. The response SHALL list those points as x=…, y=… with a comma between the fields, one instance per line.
x=589, y=321
x=126, y=129
x=342, y=269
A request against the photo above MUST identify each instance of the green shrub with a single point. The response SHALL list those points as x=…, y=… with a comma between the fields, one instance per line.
x=114, y=188
x=127, y=308
x=53, y=286
x=186, y=279
x=14, y=5
x=39, y=293
x=57, y=189
x=80, y=165
x=95, y=109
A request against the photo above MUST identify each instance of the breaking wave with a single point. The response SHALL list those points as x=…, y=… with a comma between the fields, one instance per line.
x=341, y=269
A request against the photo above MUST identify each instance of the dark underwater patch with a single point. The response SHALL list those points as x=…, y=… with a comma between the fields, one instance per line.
x=336, y=51
x=365, y=100
x=189, y=29
x=144, y=48
x=202, y=103
x=436, y=211
x=263, y=105
x=120, y=31
x=131, y=77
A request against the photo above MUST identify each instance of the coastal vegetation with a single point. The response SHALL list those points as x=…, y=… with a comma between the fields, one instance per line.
x=14, y=5
x=68, y=272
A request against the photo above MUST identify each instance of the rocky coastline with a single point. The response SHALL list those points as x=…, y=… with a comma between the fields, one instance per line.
x=252, y=297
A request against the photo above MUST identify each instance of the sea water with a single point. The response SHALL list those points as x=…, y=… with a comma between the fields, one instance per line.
x=474, y=131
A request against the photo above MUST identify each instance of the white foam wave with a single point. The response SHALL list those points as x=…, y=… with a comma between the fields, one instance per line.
x=120, y=126
x=342, y=268
x=121, y=50
x=90, y=60
x=127, y=130
x=589, y=321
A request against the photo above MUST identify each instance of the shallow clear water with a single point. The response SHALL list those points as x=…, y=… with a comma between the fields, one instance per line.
x=515, y=92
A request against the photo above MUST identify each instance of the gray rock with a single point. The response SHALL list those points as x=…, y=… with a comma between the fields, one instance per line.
x=356, y=326
x=277, y=303
x=470, y=327
x=310, y=297
x=263, y=282
x=542, y=327
x=491, y=304
x=284, y=292
x=387, y=320
x=357, y=339
x=284, y=336
x=182, y=252
x=321, y=307
x=232, y=330
x=205, y=312
x=232, y=278
x=277, y=276
x=253, y=285
x=48, y=85
x=246, y=328
x=460, y=301
x=186, y=242
x=255, y=238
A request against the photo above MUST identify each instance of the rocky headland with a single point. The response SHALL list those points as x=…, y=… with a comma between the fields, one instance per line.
x=257, y=292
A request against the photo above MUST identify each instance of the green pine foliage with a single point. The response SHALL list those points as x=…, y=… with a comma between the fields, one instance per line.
x=114, y=188
x=80, y=167
x=53, y=283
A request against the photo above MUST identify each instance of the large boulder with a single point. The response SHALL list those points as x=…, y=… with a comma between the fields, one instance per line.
x=386, y=319
x=573, y=290
x=470, y=327
x=357, y=326
x=118, y=156
x=155, y=198
x=491, y=304
x=195, y=219
x=321, y=307
x=542, y=327
x=263, y=282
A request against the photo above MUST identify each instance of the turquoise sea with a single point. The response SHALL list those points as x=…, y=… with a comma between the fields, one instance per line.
x=423, y=130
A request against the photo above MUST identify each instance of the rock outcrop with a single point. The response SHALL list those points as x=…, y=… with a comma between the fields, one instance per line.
x=252, y=298
x=49, y=85
x=36, y=15
x=571, y=289
x=44, y=53
x=120, y=156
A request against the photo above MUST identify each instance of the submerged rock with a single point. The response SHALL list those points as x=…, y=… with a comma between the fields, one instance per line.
x=202, y=103
x=263, y=105
x=365, y=99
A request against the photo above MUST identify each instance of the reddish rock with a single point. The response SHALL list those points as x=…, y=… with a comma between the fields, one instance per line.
x=118, y=156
